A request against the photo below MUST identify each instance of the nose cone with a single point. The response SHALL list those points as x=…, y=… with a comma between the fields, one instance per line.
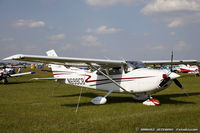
x=174, y=75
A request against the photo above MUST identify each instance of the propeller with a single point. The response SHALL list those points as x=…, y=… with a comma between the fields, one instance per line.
x=167, y=78
x=175, y=80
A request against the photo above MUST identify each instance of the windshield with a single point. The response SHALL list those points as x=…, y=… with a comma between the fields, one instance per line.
x=135, y=64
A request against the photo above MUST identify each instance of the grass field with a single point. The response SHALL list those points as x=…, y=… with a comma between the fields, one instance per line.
x=46, y=106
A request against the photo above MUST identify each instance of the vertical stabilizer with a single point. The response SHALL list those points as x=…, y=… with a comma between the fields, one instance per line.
x=51, y=53
x=58, y=70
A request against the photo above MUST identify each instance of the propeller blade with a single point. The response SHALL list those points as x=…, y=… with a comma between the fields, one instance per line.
x=178, y=83
x=164, y=82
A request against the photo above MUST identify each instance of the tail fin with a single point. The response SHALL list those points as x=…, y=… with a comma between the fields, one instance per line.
x=51, y=53
x=56, y=69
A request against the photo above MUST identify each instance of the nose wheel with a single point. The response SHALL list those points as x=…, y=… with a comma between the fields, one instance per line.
x=151, y=102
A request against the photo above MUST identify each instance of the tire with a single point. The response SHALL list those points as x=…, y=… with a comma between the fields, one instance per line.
x=5, y=81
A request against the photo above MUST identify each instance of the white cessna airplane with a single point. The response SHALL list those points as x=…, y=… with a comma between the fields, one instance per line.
x=108, y=75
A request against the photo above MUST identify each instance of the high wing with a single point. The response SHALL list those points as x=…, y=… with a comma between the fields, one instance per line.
x=66, y=60
x=170, y=62
x=86, y=61
x=21, y=74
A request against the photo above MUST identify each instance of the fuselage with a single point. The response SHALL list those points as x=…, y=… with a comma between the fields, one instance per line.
x=142, y=80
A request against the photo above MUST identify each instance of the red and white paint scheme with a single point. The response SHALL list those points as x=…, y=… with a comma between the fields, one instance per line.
x=108, y=75
x=152, y=102
x=188, y=69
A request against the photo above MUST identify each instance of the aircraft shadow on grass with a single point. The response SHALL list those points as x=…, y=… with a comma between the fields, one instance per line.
x=164, y=99
x=22, y=82
x=16, y=82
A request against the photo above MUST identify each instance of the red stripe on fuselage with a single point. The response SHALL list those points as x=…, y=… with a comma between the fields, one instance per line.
x=89, y=76
x=187, y=70
x=88, y=81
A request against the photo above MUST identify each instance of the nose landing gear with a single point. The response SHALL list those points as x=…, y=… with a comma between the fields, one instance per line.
x=152, y=102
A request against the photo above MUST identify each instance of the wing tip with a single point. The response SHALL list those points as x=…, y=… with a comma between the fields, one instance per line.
x=13, y=57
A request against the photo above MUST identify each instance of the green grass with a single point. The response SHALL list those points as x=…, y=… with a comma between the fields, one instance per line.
x=45, y=106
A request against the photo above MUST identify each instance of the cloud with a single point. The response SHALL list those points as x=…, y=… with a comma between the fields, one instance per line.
x=57, y=37
x=9, y=39
x=158, y=6
x=106, y=3
x=90, y=40
x=29, y=23
x=104, y=30
x=175, y=12
x=181, y=46
x=175, y=23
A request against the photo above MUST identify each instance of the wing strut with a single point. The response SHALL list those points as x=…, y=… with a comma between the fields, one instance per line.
x=108, y=77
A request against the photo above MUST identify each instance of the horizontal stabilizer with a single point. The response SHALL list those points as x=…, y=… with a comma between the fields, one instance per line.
x=46, y=78
x=21, y=74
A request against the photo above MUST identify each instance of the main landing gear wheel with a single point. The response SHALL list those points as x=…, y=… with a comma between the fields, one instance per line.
x=99, y=100
x=4, y=81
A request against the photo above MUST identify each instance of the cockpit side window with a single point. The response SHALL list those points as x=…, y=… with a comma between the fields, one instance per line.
x=111, y=71
x=131, y=65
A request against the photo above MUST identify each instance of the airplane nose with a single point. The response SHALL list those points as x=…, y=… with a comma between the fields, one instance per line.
x=174, y=75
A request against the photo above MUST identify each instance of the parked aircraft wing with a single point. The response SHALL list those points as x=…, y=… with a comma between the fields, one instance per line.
x=65, y=60
x=169, y=62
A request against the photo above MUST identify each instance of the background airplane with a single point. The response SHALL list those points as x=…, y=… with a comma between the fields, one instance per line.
x=9, y=73
x=194, y=69
x=177, y=65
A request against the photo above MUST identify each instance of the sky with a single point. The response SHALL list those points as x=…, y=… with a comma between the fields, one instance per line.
x=104, y=29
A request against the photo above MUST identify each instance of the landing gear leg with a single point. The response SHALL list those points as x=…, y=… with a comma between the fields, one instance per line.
x=140, y=97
